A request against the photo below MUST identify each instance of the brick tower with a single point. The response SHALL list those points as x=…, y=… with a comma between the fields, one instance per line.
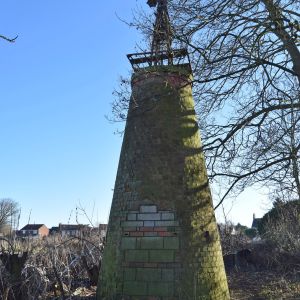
x=162, y=240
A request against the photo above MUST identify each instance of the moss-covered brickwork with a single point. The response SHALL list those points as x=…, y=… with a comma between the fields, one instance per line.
x=162, y=240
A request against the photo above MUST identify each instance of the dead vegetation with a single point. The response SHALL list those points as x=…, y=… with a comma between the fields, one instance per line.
x=268, y=269
x=266, y=275
x=263, y=285
x=68, y=268
x=52, y=268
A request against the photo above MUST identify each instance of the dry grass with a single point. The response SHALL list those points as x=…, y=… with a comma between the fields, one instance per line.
x=55, y=268
x=264, y=285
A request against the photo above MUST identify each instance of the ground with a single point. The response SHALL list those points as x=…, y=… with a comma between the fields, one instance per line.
x=263, y=285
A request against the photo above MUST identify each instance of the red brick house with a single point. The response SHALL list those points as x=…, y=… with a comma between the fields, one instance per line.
x=34, y=230
x=75, y=230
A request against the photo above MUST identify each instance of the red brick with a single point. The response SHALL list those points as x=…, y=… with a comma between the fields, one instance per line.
x=136, y=233
x=136, y=265
x=146, y=229
x=150, y=265
x=152, y=233
x=165, y=234
x=43, y=231
x=160, y=229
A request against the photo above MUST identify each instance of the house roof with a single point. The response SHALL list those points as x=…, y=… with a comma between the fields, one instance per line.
x=54, y=228
x=32, y=226
x=72, y=226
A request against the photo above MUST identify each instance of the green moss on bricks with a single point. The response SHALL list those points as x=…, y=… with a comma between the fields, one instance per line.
x=161, y=256
x=129, y=274
x=152, y=243
x=168, y=275
x=109, y=277
x=136, y=256
x=171, y=242
x=162, y=289
x=162, y=166
x=149, y=274
x=128, y=243
x=135, y=288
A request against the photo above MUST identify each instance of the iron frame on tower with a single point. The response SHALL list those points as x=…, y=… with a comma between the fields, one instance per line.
x=147, y=59
x=161, y=48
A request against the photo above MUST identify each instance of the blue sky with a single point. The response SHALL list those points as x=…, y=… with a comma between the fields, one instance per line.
x=57, y=148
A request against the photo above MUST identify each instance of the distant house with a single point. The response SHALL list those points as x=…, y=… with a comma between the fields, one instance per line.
x=34, y=230
x=54, y=230
x=73, y=230
x=227, y=229
x=255, y=222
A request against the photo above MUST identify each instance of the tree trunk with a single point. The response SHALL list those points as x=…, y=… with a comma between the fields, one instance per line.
x=287, y=40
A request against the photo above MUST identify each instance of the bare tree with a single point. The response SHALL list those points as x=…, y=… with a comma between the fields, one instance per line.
x=9, y=213
x=283, y=178
x=280, y=229
x=246, y=65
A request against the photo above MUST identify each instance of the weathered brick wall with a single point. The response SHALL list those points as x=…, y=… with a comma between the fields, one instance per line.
x=43, y=231
x=150, y=246
x=162, y=240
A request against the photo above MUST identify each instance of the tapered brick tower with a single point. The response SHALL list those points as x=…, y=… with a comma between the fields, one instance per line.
x=162, y=240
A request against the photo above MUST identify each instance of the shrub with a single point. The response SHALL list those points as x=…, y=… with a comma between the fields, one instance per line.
x=281, y=226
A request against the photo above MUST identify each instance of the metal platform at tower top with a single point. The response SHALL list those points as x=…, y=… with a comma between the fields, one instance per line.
x=161, y=52
x=148, y=59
